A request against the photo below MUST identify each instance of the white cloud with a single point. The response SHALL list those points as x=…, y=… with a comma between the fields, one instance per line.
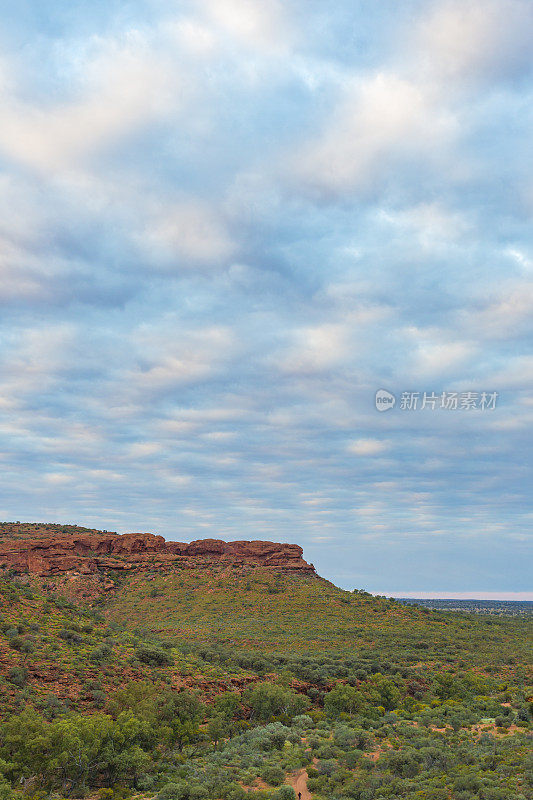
x=525, y=263
x=175, y=479
x=126, y=87
x=380, y=120
x=505, y=314
x=370, y=510
x=367, y=447
x=190, y=231
x=435, y=357
x=175, y=427
x=406, y=111
x=432, y=352
x=195, y=38
x=28, y=273
x=166, y=358
x=257, y=24
x=27, y=267
x=144, y=449
x=219, y=436
x=35, y=359
x=516, y=374
x=431, y=222
x=479, y=39
x=58, y=478
x=315, y=349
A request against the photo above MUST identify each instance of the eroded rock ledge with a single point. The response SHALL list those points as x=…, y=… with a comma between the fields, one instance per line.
x=88, y=554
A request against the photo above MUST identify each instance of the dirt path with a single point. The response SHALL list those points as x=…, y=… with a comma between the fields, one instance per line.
x=298, y=781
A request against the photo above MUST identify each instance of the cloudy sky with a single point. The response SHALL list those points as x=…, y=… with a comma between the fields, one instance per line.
x=225, y=224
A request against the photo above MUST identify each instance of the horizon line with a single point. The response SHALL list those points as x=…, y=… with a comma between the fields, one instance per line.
x=424, y=595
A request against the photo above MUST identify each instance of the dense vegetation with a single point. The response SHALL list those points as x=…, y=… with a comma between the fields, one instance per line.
x=43, y=530
x=303, y=615
x=186, y=686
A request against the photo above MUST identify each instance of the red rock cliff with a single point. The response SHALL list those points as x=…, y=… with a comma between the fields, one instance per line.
x=91, y=553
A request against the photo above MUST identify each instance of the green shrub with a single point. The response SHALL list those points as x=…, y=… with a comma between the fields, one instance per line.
x=70, y=636
x=285, y=793
x=101, y=653
x=302, y=721
x=273, y=775
x=234, y=792
x=351, y=758
x=154, y=656
x=174, y=791
x=18, y=676
x=6, y=792
x=326, y=767
x=98, y=697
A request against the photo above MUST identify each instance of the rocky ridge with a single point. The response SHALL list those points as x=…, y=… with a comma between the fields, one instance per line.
x=95, y=553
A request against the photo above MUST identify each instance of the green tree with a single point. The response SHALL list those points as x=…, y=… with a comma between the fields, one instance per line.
x=181, y=713
x=268, y=700
x=344, y=698
x=217, y=728
x=130, y=764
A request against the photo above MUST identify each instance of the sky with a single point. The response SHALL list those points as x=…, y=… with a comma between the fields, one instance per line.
x=224, y=226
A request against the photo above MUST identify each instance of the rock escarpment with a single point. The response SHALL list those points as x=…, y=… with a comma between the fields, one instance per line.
x=89, y=554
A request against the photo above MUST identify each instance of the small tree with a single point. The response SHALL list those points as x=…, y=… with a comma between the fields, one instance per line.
x=269, y=700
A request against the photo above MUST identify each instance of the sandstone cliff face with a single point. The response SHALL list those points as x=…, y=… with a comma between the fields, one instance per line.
x=88, y=554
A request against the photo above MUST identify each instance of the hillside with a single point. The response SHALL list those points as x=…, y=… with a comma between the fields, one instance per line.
x=260, y=596
x=59, y=655
x=301, y=615
x=220, y=671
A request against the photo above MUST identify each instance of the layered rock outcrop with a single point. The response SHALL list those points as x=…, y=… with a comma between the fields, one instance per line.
x=92, y=553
